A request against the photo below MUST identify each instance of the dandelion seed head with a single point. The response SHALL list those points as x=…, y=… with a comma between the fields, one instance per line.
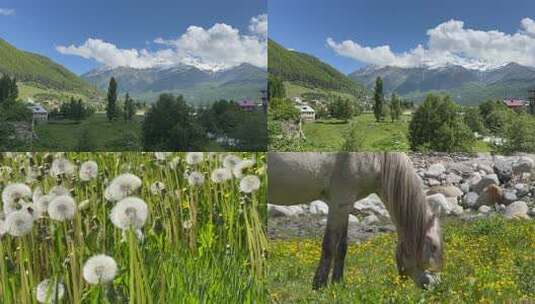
x=131, y=212
x=187, y=224
x=173, y=164
x=241, y=166
x=220, y=175
x=2, y=228
x=41, y=204
x=157, y=187
x=249, y=184
x=100, y=269
x=18, y=223
x=49, y=290
x=88, y=170
x=13, y=195
x=62, y=166
x=193, y=158
x=123, y=186
x=62, y=208
x=195, y=178
x=58, y=191
x=230, y=161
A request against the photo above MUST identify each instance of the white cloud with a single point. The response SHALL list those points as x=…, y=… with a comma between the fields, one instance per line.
x=451, y=43
x=218, y=47
x=7, y=11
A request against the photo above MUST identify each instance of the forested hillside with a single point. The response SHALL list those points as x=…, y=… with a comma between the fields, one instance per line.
x=32, y=68
x=307, y=70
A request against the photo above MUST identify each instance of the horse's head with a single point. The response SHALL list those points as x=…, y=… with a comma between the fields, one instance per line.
x=423, y=269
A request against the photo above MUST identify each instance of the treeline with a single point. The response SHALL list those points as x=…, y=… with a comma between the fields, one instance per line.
x=172, y=125
x=308, y=71
x=75, y=109
x=440, y=124
x=10, y=111
x=115, y=111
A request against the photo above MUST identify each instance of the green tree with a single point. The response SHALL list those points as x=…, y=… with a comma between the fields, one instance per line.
x=111, y=108
x=378, y=98
x=170, y=125
x=474, y=120
x=283, y=109
x=129, y=109
x=519, y=135
x=395, y=108
x=341, y=109
x=276, y=87
x=438, y=126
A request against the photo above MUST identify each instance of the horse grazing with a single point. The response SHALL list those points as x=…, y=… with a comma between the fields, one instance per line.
x=342, y=178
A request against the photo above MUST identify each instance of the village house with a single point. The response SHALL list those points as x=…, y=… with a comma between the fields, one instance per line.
x=247, y=105
x=39, y=113
x=306, y=113
x=515, y=103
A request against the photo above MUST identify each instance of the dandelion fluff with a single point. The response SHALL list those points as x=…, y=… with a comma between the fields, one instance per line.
x=241, y=166
x=123, y=186
x=14, y=193
x=88, y=170
x=2, y=228
x=195, y=178
x=62, y=166
x=173, y=164
x=193, y=158
x=59, y=191
x=161, y=156
x=157, y=187
x=220, y=175
x=99, y=269
x=230, y=161
x=18, y=223
x=41, y=204
x=49, y=291
x=62, y=208
x=130, y=212
x=249, y=183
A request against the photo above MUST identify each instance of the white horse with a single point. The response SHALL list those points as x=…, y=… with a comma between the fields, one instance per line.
x=340, y=179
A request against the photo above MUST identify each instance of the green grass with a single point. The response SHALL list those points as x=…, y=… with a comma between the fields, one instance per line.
x=486, y=261
x=216, y=258
x=330, y=135
x=39, y=93
x=105, y=136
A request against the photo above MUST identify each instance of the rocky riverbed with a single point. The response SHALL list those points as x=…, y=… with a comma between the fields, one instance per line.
x=463, y=186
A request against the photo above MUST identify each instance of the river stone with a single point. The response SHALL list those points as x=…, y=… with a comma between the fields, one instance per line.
x=465, y=187
x=474, y=179
x=470, y=199
x=318, y=207
x=439, y=204
x=373, y=205
x=523, y=165
x=353, y=219
x=504, y=170
x=281, y=211
x=509, y=196
x=487, y=180
x=532, y=212
x=518, y=209
x=484, y=209
x=433, y=182
x=521, y=189
x=435, y=170
x=448, y=191
x=485, y=168
x=453, y=179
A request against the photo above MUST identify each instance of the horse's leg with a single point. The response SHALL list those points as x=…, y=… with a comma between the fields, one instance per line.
x=341, y=250
x=327, y=251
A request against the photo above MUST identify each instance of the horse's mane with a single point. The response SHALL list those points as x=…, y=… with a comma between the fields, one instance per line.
x=405, y=200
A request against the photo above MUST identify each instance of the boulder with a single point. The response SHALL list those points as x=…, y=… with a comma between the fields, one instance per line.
x=484, y=209
x=318, y=207
x=504, y=170
x=435, y=170
x=353, y=219
x=448, y=191
x=372, y=205
x=465, y=187
x=523, y=165
x=439, y=204
x=281, y=211
x=470, y=199
x=370, y=220
x=487, y=180
x=518, y=209
x=474, y=179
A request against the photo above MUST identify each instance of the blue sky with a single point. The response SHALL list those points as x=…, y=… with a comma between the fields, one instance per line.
x=305, y=25
x=41, y=26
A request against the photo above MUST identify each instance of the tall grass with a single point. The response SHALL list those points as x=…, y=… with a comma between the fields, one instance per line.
x=200, y=244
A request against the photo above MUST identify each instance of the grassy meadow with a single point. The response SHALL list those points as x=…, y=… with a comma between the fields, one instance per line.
x=330, y=134
x=486, y=261
x=64, y=135
x=197, y=236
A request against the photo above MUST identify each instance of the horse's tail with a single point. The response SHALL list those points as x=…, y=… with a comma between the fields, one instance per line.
x=403, y=196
